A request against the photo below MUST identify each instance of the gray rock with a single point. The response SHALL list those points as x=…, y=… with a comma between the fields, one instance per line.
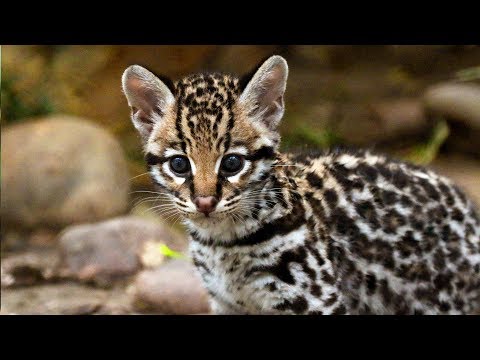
x=66, y=299
x=28, y=268
x=61, y=170
x=380, y=122
x=459, y=104
x=42, y=238
x=109, y=250
x=401, y=117
x=456, y=102
x=173, y=288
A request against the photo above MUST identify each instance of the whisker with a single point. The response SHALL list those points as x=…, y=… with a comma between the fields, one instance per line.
x=159, y=212
x=171, y=216
x=176, y=220
x=145, y=173
x=148, y=199
x=146, y=191
x=247, y=214
x=239, y=218
x=163, y=206
x=166, y=213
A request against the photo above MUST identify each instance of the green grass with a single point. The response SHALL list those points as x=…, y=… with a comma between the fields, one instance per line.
x=304, y=135
x=425, y=153
x=14, y=106
x=165, y=250
x=468, y=74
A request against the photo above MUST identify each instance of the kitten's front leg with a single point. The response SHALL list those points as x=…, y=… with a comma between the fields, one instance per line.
x=220, y=307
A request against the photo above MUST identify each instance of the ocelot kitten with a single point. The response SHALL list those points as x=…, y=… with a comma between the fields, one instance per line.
x=334, y=233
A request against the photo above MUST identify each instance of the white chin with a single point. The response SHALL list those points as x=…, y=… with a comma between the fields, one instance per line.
x=213, y=218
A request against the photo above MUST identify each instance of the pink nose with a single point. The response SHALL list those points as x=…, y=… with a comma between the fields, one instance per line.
x=206, y=204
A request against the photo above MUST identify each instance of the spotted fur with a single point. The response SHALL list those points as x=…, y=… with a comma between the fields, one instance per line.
x=338, y=232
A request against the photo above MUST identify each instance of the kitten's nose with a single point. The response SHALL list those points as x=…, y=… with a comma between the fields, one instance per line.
x=205, y=204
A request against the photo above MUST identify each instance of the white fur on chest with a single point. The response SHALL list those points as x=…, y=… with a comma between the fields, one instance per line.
x=230, y=278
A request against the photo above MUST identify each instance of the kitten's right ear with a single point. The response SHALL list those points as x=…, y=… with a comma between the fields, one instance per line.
x=262, y=96
x=148, y=97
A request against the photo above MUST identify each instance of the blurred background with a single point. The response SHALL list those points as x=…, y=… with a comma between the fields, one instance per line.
x=79, y=229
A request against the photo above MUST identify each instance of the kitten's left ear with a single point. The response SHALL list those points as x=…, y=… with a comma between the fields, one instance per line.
x=263, y=94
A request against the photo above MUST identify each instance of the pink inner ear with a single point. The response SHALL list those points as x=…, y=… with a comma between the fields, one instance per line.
x=143, y=97
x=135, y=84
x=280, y=100
x=148, y=98
x=144, y=117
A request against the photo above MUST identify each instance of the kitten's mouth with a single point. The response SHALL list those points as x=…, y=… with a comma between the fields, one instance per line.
x=207, y=216
x=211, y=217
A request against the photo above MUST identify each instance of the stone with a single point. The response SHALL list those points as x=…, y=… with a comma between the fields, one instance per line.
x=173, y=288
x=12, y=240
x=118, y=302
x=385, y=122
x=150, y=256
x=400, y=117
x=381, y=122
x=456, y=102
x=459, y=104
x=106, y=251
x=42, y=238
x=66, y=298
x=54, y=299
x=28, y=268
x=61, y=170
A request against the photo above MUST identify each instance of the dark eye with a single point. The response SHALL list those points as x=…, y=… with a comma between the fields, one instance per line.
x=180, y=165
x=231, y=164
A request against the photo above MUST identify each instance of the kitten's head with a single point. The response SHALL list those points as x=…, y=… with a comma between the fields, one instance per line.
x=209, y=139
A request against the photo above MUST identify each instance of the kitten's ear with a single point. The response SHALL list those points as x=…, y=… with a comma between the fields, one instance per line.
x=263, y=94
x=148, y=98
